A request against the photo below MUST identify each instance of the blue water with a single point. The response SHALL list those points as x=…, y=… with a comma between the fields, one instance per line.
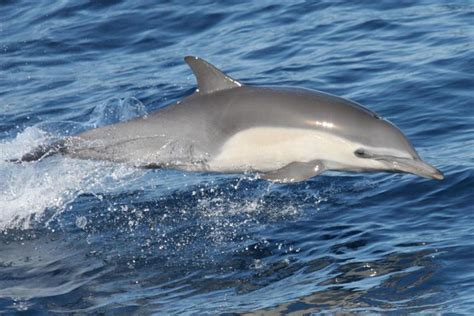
x=90, y=237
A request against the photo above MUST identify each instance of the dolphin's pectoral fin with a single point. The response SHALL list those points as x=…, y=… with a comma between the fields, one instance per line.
x=209, y=78
x=295, y=172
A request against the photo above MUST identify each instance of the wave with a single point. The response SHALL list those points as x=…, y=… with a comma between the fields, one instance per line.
x=28, y=190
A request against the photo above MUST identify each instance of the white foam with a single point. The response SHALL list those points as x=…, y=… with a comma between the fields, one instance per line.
x=27, y=190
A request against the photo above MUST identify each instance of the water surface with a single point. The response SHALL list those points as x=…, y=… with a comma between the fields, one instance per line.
x=91, y=237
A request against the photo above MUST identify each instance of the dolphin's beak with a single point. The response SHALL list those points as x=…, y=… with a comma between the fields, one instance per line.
x=414, y=166
x=418, y=167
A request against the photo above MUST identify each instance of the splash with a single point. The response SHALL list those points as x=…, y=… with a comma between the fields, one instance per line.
x=29, y=190
x=117, y=110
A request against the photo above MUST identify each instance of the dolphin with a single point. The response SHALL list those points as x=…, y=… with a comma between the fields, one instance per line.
x=283, y=134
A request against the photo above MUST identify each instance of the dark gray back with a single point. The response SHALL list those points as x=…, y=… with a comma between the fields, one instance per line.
x=210, y=119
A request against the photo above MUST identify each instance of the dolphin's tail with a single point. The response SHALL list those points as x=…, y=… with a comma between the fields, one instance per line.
x=41, y=152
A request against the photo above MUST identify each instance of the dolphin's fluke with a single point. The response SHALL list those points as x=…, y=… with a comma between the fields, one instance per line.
x=209, y=78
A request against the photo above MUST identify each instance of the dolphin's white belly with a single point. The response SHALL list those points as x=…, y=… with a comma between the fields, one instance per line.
x=271, y=148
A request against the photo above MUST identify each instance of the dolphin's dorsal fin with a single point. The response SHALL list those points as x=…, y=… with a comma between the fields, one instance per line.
x=209, y=78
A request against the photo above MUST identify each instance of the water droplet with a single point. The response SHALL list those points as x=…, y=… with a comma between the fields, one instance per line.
x=81, y=222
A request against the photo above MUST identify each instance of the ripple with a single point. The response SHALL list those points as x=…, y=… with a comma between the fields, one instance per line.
x=87, y=237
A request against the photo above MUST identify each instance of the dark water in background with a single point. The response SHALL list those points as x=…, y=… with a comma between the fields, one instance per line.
x=81, y=236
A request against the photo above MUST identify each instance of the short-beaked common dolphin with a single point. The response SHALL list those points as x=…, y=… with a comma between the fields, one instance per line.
x=283, y=134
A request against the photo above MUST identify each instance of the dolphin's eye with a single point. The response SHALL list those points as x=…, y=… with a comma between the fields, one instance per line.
x=360, y=153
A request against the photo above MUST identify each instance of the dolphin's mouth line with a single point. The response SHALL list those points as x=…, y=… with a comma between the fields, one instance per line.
x=401, y=164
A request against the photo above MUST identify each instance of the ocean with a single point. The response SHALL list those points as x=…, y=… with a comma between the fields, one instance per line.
x=89, y=237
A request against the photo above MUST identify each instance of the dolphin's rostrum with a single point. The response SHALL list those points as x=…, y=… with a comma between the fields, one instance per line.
x=283, y=134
